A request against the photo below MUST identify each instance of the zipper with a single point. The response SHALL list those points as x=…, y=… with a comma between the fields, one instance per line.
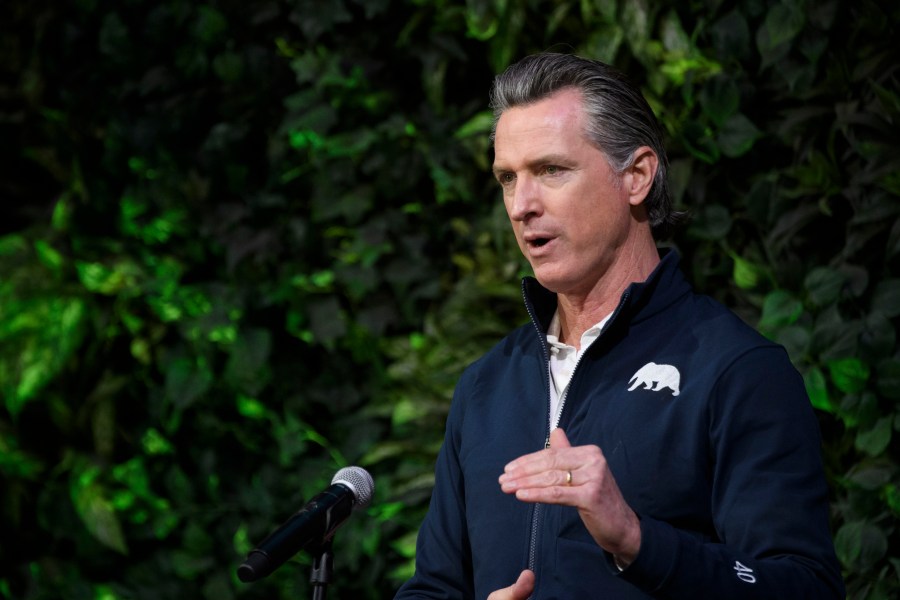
x=536, y=513
x=565, y=395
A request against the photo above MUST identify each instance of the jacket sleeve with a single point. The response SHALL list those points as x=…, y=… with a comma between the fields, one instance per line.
x=770, y=505
x=443, y=556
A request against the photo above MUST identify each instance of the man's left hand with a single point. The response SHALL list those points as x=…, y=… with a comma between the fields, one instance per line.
x=580, y=477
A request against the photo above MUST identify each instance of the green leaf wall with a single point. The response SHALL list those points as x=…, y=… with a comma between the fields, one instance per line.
x=244, y=244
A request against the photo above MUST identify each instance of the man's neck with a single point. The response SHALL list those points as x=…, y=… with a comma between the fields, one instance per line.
x=580, y=312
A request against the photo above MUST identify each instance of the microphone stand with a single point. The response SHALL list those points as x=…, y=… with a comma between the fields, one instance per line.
x=322, y=569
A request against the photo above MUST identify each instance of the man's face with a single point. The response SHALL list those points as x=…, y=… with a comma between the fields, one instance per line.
x=569, y=210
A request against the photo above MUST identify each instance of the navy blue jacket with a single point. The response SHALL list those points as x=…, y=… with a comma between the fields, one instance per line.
x=706, y=427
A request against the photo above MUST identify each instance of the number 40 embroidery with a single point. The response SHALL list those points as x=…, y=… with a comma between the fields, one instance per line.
x=744, y=573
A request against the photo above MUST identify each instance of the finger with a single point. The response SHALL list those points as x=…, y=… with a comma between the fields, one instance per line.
x=559, y=439
x=510, y=483
x=542, y=460
x=560, y=455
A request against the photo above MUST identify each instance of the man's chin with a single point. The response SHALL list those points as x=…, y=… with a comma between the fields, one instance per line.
x=551, y=280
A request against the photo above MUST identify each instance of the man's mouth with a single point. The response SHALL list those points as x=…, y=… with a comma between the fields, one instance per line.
x=537, y=241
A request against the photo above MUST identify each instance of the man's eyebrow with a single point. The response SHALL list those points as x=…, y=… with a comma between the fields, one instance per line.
x=546, y=159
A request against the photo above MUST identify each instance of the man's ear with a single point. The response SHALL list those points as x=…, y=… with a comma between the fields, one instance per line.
x=640, y=175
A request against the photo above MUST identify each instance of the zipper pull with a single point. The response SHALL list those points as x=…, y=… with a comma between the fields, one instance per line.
x=547, y=443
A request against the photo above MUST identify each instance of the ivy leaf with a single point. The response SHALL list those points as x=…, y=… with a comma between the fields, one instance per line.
x=720, y=99
x=849, y=374
x=888, y=377
x=96, y=511
x=871, y=477
x=746, y=274
x=875, y=440
x=780, y=308
x=795, y=340
x=823, y=285
x=833, y=336
x=731, y=35
x=39, y=335
x=479, y=124
x=712, y=222
x=886, y=298
x=817, y=390
x=860, y=543
x=783, y=23
x=737, y=136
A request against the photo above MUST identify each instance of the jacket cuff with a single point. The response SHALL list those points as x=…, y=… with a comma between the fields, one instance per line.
x=657, y=559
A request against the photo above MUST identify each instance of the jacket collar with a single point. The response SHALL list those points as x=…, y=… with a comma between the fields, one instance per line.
x=664, y=285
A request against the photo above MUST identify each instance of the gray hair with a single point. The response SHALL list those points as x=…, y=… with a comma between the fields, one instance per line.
x=619, y=120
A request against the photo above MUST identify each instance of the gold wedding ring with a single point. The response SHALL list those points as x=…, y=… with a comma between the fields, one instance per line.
x=568, y=477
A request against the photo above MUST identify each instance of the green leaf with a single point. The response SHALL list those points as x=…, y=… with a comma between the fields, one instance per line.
x=93, y=506
x=783, y=22
x=746, y=274
x=39, y=337
x=849, y=374
x=834, y=336
x=712, y=222
x=860, y=543
x=155, y=443
x=48, y=255
x=817, y=390
x=737, y=136
x=247, y=367
x=12, y=244
x=856, y=278
x=479, y=124
x=886, y=298
x=795, y=340
x=780, y=309
x=720, y=99
x=888, y=378
x=875, y=440
x=698, y=139
x=481, y=21
x=186, y=381
x=16, y=463
x=108, y=280
x=252, y=408
x=211, y=24
x=635, y=19
x=892, y=498
x=731, y=35
x=871, y=476
x=229, y=67
x=823, y=285
x=673, y=36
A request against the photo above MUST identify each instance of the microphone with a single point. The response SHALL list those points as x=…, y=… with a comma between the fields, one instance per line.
x=351, y=488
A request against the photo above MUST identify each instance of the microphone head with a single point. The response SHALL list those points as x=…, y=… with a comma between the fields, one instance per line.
x=360, y=483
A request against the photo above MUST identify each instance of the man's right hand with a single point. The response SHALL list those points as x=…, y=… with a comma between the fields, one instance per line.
x=520, y=590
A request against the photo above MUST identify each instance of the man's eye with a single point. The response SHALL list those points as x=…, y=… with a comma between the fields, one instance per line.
x=506, y=178
x=551, y=170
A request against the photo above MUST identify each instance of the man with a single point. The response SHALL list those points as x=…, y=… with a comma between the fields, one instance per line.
x=636, y=440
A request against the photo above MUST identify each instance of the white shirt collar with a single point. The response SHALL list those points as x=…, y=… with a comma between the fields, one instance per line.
x=587, y=338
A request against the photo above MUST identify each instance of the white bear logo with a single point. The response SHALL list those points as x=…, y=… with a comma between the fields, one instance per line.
x=664, y=376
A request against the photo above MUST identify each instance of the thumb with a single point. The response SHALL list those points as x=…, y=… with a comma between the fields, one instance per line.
x=558, y=439
x=524, y=585
x=520, y=590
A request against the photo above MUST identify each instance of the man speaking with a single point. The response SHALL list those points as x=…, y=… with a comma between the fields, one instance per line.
x=635, y=440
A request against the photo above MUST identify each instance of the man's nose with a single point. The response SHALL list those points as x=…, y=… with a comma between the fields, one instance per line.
x=525, y=200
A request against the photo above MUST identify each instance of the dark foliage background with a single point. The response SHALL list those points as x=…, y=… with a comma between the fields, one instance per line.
x=244, y=244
